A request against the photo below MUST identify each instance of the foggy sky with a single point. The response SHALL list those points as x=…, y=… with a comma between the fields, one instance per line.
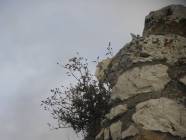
x=35, y=34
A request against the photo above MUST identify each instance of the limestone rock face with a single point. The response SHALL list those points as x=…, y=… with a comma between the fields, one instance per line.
x=149, y=50
x=148, y=79
x=163, y=115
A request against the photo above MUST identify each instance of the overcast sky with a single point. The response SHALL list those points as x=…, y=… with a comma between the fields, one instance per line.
x=35, y=34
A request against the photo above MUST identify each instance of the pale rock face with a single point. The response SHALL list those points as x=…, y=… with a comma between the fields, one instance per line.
x=153, y=48
x=115, y=130
x=183, y=80
x=101, y=67
x=163, y=115
x=169, y=47
x=149, y=78
x=131, y=131
x=116, y=111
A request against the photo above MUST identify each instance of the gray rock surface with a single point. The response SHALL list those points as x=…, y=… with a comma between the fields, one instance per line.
x=116, y=111
x=131, y=131
x=150, y=78
x=164, y=115
x=150, y=50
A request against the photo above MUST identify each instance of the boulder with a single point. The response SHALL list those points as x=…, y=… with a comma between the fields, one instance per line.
x=150, y=78
x=164, y=115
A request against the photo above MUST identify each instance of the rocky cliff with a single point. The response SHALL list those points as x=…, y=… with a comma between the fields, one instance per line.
x=148, y=76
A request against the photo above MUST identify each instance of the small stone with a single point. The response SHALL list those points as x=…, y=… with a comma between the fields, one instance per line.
x=115, y=130
x=116, y=111
x=131, y=131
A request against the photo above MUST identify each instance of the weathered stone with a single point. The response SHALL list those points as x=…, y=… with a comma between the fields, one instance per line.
x=106, y=134
x=101, y=67
x=168, y=20
x=152, y=49
x=116, y=111
x=178, y=70
x=139, y=80
x=131, y=131
x=183, y=80
x=164, y=115
x=169, y=47
x=115, y=130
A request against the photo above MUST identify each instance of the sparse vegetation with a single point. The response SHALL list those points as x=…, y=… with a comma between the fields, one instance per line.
x=81, y=105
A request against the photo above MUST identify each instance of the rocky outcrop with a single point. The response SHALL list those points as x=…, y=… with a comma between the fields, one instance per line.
x=154, y=49
x=169, y=20
x=148, y=79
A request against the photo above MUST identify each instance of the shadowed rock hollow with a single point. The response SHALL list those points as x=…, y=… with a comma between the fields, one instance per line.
x=148, y=76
